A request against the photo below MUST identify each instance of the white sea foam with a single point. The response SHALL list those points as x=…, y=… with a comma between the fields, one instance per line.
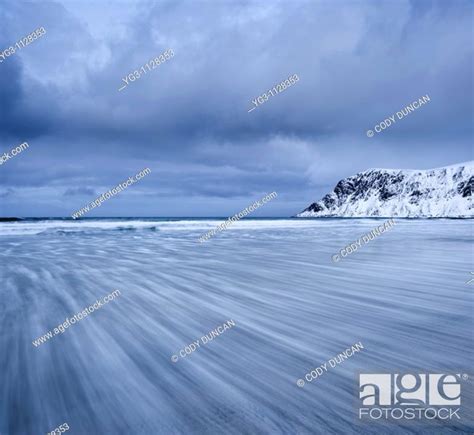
x=29, y=227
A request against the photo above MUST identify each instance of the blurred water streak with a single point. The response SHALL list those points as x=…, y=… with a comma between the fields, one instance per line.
x=404, y=296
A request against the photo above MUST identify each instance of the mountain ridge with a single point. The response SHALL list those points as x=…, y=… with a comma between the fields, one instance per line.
x=433, y=193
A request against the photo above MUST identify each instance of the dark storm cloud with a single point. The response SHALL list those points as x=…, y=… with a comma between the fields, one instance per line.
x=358, y=63
x=6, y=192
x=80, y=191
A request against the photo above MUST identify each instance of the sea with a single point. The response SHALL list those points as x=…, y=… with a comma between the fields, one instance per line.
x=128, y=368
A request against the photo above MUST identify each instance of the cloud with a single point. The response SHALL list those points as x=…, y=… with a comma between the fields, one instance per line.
x=187, y=119
x=4, y=193
x=80, y=191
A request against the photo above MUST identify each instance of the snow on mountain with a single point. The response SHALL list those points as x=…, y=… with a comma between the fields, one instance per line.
x=440, y=192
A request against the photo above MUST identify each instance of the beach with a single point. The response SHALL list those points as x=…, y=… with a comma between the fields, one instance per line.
x=403, y=295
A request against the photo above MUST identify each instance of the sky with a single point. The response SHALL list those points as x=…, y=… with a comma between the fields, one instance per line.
x=188, y=120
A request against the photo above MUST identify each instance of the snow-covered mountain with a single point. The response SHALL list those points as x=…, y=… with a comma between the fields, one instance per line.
x=441, y=192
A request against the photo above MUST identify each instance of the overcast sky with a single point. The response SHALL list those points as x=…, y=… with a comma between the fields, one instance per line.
x=359, y=62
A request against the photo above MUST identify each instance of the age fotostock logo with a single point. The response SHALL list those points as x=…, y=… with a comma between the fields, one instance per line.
x=410, y=396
